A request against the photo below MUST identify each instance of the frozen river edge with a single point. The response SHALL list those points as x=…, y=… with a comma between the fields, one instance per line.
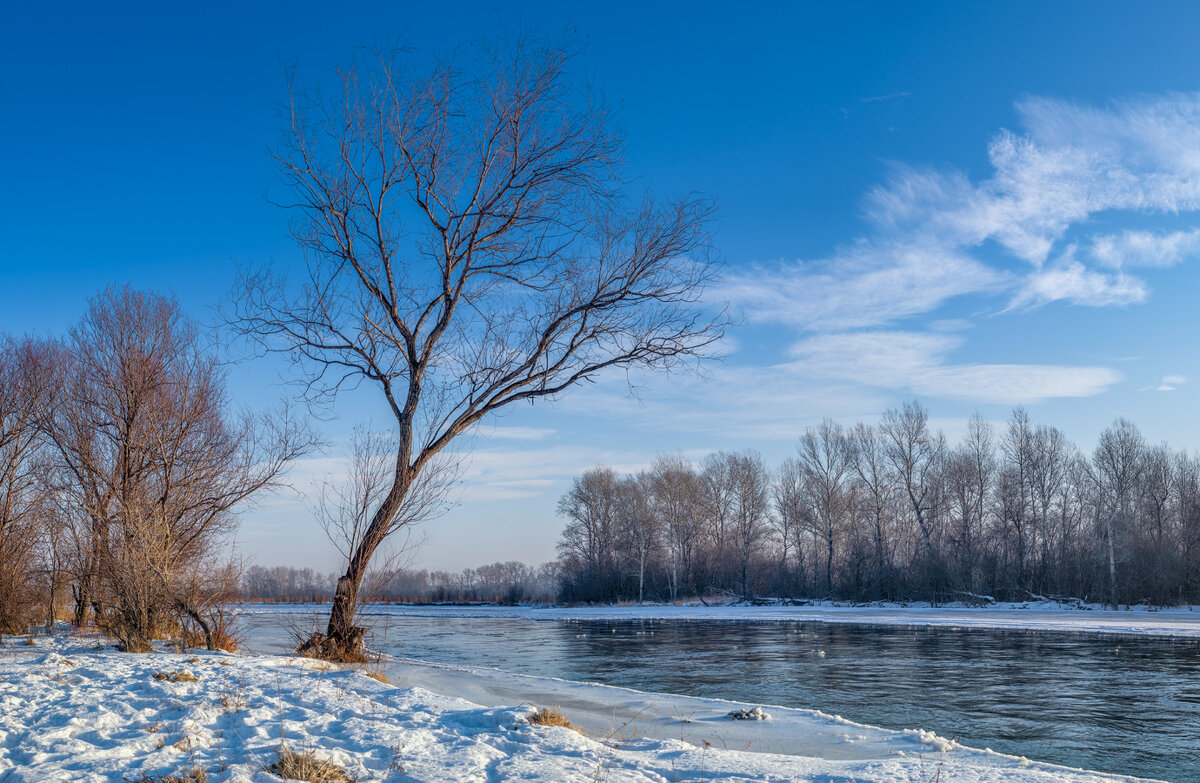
x=1175, y=622
x=74, y=709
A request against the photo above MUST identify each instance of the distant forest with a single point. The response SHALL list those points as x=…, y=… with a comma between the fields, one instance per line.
x=894, y=511
x=511, y=582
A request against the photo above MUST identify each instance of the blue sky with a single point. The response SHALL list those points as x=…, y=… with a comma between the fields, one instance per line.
x=976, y=205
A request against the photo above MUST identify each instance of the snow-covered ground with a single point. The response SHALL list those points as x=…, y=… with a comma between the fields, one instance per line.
x=1178, y=622
x=74, y=709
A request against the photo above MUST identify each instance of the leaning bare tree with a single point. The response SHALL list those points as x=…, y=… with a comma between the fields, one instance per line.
x=468, y=248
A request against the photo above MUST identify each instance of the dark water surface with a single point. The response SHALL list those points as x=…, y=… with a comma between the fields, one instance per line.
x=1117, y=704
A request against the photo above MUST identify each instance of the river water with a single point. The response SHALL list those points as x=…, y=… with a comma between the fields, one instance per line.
x=1129, y=705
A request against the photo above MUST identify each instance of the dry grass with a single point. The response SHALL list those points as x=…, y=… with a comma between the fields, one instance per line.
x=307, y=767
x=378, y=676
x=223, y=639
x=194, y=775
x=179, y=676
x=551, y=717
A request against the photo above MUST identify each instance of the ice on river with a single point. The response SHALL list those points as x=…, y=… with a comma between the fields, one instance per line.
x=1179, y=622
x=74, y=709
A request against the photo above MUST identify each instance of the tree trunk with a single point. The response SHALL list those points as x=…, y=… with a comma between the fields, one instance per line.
x=342, y=633
x=209, y=642
x=343, y=639
x=829, y=554
x=1112, y=560
x=82, y=599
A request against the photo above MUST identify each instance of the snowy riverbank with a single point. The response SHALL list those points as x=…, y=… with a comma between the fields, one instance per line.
x=1175, y=622
x=74, y=709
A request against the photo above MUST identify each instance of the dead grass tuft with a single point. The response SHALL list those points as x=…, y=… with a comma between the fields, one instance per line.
x=307, y=767
x=378, y=676
x=193, y=775
x=179, y=676
x=551, y=717
x=223, y=639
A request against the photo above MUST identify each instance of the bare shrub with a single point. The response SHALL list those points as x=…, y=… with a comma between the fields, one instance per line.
x=25, y=389
x=154, y=463
x=551, y=717
x=306, y=766
x=179, y=676
x=193, y=775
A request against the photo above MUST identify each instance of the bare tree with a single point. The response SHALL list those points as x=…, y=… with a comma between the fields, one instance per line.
x=1048, y=471
x=593, y=508
x=751, y=509
x=915, y=455
x=826, y=461
x=1117, y=468
x=1018, y=449
x=970, y=470
x=675, y=500
x=790, y=518
x=642, y=529
x=718, y=493
x=467, y=248
x=154, y=460
x=869, y=460
x=25, y=391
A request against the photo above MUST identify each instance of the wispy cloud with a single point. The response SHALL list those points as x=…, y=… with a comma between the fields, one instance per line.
x=491, y=431
x=929, y=226
x=1168, y=383
x=914, y=362
x=891, y=96
x=1024, y=237
x=1069, y=280
x=866, y=285
x=1145, y=248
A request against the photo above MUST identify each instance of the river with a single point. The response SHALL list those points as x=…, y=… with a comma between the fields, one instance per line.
x=1119, y=704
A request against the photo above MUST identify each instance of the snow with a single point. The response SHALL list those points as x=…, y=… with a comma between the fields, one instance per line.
x=74, y=709
x=1176, y=622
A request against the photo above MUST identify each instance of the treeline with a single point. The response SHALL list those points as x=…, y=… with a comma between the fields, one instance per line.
x=121, y=464
x=895, y=512
x=509, y=582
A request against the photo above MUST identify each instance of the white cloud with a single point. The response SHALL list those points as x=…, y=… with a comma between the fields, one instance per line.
x=512, y=474
x=1168, y=383
x=863, y=286
x=918, y=363
x=1145, y=248
x=930, y=227
x=1070, y=281
x=501, y=432
x=950, y=325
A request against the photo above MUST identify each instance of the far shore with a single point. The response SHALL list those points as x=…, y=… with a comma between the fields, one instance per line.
x=1182, y=622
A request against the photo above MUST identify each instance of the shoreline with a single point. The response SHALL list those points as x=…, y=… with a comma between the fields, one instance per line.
x=1181, y=623
x=73, y=709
